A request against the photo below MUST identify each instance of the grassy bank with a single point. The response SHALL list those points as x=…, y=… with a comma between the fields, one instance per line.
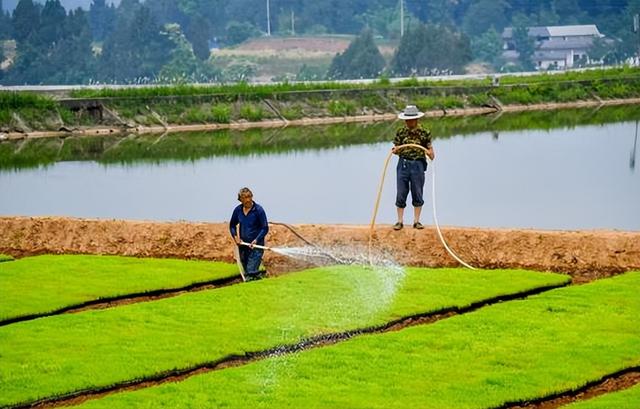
x=511, y=352
x=100, y=348
x=257, y=141
x=4, y=257
x=190, y=104
x=38, y=285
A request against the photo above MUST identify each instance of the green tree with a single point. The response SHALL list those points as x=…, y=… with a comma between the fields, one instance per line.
x=239, y=32
x=568, y=10
x=488, y=47
x=385, y=21
x=5, y=23
x=524, y=44
x=434, y=11
x=483, y=15
x=102, y=19
x=137, y=50
x=599, y=50
x=55, y=55
x=127, y=10
x=183, y=65
x=73, y=57
x=311, y=73
x=420, y=51
x=629, y=44
x=198, y=33
x=431, y=59
x=361, y=59
x=25, y=21
x=404, y=60
x=1, y=57
x=169, y=11
x=52, y=21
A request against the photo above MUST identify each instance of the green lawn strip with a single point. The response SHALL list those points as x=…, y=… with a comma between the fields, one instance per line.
x=93, y=349
x=42, y=284
x=626, y=399
x=4, y=257
x=508, y=352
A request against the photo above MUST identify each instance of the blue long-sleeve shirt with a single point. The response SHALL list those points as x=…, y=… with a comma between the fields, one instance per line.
x=253, y=226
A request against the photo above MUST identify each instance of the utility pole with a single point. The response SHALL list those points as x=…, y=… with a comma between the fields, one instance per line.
x=268, y=19
x=293, y=24
x=401, y=18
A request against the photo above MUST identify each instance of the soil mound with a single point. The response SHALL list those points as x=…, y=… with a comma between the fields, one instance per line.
x=585, y=255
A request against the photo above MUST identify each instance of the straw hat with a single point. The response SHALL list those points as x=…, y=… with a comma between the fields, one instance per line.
x=410, y=112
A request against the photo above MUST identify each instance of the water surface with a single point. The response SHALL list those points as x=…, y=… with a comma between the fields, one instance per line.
x=578, y=177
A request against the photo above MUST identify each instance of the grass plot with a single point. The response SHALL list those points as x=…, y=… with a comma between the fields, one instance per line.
x=38, y=285
x=508, y=352
x=73, y=352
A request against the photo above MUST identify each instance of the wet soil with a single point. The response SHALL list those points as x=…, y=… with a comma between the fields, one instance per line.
x=585, y=255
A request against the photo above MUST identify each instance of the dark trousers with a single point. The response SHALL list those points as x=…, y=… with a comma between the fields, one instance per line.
x=250, y=259
x=410, y=177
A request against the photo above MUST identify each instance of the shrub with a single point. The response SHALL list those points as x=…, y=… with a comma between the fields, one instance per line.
x=293, y=112
x=342, y=108
x=221, y=113
x=195, y=115
x=479, y=100
x=251, y=113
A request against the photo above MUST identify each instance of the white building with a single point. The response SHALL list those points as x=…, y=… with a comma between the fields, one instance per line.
x=556, y=47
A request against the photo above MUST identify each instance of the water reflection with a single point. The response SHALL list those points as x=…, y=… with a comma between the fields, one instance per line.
x=632, y=160
x=132, y=149
x=567, y=178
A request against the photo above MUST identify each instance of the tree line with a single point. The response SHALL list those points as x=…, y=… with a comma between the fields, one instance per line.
x=159, y=40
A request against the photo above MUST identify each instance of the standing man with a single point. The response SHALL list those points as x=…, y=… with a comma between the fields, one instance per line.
x=250, y=218
x=412, y=164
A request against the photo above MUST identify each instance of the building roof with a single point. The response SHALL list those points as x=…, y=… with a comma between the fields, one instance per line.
x=575, y=43
x=585, y=30
x=533, y=32
x=589, y=30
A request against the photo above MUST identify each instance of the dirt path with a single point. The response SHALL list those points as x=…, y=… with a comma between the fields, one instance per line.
x=585, y=255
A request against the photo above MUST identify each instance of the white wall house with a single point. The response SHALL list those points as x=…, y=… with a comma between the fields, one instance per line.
x=556, y=47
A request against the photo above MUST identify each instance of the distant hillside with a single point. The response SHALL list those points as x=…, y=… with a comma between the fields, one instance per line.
x=68, y=4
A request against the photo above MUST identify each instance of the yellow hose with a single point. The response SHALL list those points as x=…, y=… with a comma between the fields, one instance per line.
x=435, y=218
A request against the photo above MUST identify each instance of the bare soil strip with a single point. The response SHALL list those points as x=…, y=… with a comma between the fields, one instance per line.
x=177, y=375
x=110, y=302
x=614, y=382
x=585, y=255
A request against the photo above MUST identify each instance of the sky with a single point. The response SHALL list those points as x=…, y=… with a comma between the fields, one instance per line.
x=68, y=4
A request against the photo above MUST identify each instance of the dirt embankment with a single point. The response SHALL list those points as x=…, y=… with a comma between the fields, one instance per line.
x=585, y=255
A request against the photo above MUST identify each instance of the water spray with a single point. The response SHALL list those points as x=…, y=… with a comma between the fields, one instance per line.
x=307, y=252
x=433, y=193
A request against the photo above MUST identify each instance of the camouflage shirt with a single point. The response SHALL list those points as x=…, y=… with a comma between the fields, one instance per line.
x=418, y=136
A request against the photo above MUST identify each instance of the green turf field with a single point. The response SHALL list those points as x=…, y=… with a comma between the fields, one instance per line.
x=71, y=352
